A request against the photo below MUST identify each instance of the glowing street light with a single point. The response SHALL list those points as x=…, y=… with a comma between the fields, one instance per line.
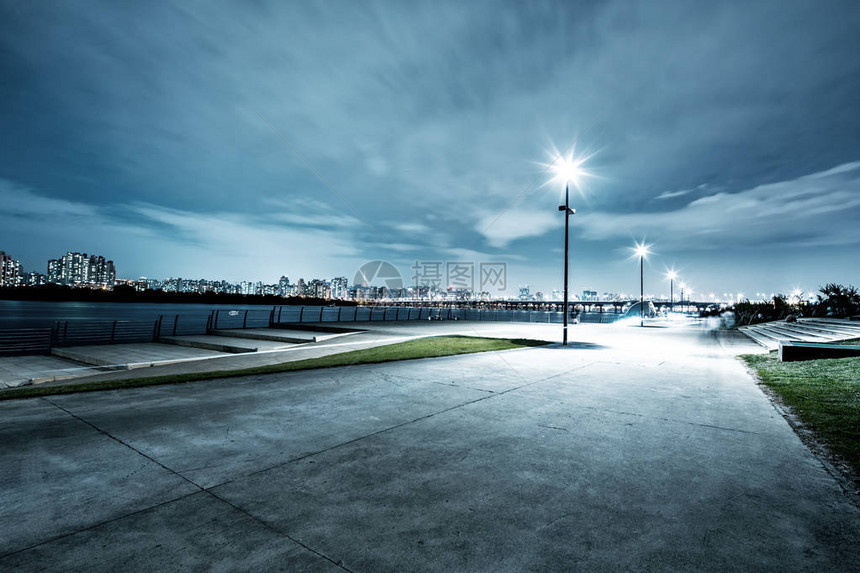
x=672, y=275
x=569, y=170
x=641, y=251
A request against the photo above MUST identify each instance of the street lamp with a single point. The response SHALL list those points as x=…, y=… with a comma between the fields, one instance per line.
x=672, y=275
x=569, y=170
x=641, y=251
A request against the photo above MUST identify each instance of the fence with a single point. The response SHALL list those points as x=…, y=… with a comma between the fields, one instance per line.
x=282, y=315
x=22, y=341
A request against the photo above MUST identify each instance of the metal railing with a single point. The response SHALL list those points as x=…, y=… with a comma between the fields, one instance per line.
x=282, y=315
x=22, y=341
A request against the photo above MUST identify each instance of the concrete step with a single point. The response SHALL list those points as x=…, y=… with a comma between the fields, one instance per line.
x=786, y=329
x=843, y=321
x=209, y=343
x=765, y=333
x=755, y=336
x=85, y=357
x=317, y=327
x=812, y=328
x=130, y=356
x=275, y=335
x=833, y=326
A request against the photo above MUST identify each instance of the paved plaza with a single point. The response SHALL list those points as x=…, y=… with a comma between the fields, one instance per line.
x=633, y=449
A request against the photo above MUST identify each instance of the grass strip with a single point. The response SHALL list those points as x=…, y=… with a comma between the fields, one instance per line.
x=824, y=394
x=431, y=347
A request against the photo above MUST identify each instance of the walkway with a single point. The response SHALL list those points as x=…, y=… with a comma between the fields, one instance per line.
x=633, y=449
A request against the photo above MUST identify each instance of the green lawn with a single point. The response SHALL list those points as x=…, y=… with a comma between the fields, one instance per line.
x=825, y=394
x=420, y=348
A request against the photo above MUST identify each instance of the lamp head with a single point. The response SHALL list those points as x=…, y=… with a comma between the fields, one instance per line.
x=567, y=168
x=642, y=250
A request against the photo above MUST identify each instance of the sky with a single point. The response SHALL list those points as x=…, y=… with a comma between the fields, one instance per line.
x=249, y=140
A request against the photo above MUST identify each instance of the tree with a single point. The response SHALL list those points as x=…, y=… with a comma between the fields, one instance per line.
x=838, y=300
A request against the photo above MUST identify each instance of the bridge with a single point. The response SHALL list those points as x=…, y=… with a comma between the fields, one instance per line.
x=578, y=306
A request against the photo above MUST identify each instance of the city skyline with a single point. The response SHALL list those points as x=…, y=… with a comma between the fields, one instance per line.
x=81, y=269
x=253, y=139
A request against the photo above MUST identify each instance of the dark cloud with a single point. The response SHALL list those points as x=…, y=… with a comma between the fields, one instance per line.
x=430, y=119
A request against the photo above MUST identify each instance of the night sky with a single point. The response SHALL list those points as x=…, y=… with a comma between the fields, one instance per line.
x=248, y=140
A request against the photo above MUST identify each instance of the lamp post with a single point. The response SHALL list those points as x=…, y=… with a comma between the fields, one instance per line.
x=567, y=213
x=569, y=170
x=641, y=251
x=671, y=275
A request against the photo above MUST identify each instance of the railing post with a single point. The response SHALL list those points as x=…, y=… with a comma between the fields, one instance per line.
x=175, y=323
x=339, y=309
x=301, y=312
x=321, y=311
x=245, y=319
x=113, y=332
x=355, y=314
x=280, y=308
x=157, y=333
x=272, y=317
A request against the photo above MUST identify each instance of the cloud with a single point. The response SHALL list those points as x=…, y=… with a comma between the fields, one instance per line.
x=421, y=110
x=19, y=201
x=671, y=194
x=820, y=209
x=500, y=231
x=156, y=240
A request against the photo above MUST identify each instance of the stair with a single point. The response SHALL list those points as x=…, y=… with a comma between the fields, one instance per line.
x=768, y=334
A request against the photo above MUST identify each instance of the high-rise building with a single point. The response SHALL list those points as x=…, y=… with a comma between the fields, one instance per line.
x=10, y=271
x=171, y=284
x=339, y=288
x=80, y=269
x=34, y=279
x=317, y=288
x=53, y=271
x=284, y=286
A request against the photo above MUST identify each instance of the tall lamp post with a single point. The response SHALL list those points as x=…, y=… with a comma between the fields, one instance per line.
x=672, y=275
x=642, y=252
x=569, y=170
x=567, y=213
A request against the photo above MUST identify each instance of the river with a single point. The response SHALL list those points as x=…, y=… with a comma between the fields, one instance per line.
x=26, y=313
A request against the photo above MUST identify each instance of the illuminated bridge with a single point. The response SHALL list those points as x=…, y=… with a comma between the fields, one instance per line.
x=577, y=306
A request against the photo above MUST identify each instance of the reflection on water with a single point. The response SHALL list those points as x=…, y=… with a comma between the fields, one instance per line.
x=26, y=313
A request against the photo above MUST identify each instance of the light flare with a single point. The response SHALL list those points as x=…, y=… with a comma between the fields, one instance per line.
x=641, y=250
x=567, y=167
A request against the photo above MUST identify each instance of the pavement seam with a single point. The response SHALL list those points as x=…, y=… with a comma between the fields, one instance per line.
x=99, y=524
x=199, y=487
x=127, y=445
x=271, y=527
x=390, y=428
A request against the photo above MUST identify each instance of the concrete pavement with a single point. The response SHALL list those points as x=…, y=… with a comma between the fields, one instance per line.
x=633, y=449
